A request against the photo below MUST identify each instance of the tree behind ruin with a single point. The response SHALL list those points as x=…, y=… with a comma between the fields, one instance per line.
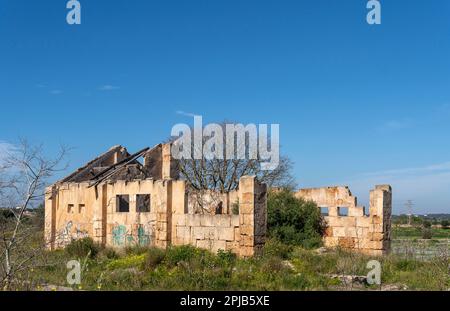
x=223, y=174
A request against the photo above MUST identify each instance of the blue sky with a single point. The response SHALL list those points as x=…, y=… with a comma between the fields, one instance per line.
x=357, y=104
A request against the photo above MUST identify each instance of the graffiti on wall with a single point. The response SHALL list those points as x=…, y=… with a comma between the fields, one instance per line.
x=139, y=235
x=71, y=231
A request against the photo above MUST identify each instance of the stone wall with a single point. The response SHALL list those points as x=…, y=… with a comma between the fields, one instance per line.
x=243, y=233
x=355, y=230
x=69, y=213
x=169, y=220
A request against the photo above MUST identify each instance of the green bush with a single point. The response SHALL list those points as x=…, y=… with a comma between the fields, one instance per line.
x=6, y=214
x=130, y=261
x=274, y=247
x=445, y=224
x=403, y=264
x=427, y=233
x=426, y=224
x=153, y=258
x=177, y=254
x=226, y=258
x=135, y=249
x=109, y=253
x=293, y=220
x=81, y=248
x=273, y=264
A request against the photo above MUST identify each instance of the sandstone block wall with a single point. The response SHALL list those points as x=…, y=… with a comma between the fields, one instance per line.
x=242, y=233
x=168, y=222
x=355, y=230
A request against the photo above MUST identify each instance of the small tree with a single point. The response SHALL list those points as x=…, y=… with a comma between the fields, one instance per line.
x=427, y=233
x=24, y=173
x=445, y=224
x=426, y=224
x=293, y=220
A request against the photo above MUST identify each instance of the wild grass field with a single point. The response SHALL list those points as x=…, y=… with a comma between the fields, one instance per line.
x=409, y=242
x=281, y=267
x=292, y=259
x=416, y=232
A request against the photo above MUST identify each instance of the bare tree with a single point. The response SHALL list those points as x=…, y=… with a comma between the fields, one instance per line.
x=24, y=173
x=222, y=174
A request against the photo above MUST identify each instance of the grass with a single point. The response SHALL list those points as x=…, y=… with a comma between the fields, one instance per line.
x=416, y=232
x=281, y=267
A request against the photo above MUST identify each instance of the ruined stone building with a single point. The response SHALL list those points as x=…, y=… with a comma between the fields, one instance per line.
x=351, y=226
x=119, y=201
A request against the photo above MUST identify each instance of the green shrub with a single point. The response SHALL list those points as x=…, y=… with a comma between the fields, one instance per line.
x=293, y=220
x=191, y=258
x=177, y=254
x=226, y=258
x=131, y=261
x=274, y=247
x=153, y=258
x=109, y=253
x=81, y=248
x=406, y=264
x=426, y=224
x=135, y=249
x=445, y=224
x=273, y=264
x=427, y=233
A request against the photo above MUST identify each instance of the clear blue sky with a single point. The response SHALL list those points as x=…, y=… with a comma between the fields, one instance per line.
x=357, y=104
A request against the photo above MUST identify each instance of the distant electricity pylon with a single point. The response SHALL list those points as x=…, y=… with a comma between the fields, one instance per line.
x=409, y=205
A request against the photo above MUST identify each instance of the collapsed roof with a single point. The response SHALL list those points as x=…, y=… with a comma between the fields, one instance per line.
x=118, y=164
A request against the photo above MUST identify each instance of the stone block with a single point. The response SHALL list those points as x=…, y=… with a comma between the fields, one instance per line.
x=346, y=242
x=377, y=236
x=376, y=220
x=226, y=234
x=246, y=230
x=218, y=245
x=363, y=221
x=161, y=225
x=222, y=220
x=347, y=221
x=376, y=228
x=331, y=241
x=183, y=232
x=161, y=216
x=339, y=232
x=375, y=244
x=246, y=182
x=98, y=232
x=356, y=211
x=205, y=244
x=329, y=232
x=193, y=220
x=207, y=220
x=248, y=198
x=179, y=220
x=235, y=220
x=246, y=251
x=237, y=233
x=246, y=208
x=232, y=246
x=247, y=219
x=198, y=233
x=247, y=240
